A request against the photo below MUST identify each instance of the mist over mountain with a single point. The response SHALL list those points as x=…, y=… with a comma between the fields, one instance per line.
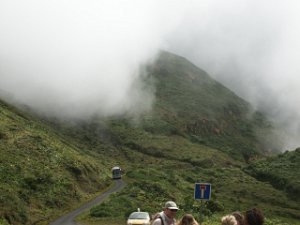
x=197, y=129
x=251, y=47
x=74, y=59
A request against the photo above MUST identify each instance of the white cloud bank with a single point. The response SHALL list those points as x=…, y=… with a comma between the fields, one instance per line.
x=79, y=58
x=253, y=48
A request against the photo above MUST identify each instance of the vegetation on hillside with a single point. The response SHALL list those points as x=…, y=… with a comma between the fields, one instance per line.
x=191, y=103
x=149, y=187
x=282, y=171
x=40, y=172
x=198, y=131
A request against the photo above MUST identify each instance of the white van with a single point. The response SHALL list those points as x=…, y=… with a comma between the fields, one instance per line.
x=116, y=172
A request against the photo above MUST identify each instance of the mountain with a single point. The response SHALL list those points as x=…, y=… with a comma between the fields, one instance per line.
x=206, y=111
x=197, y=131
x=41, y=172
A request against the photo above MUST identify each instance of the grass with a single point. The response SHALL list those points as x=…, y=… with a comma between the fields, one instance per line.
x=39, y=172
x=148, y=188
x=282, y=171
x=198, y=131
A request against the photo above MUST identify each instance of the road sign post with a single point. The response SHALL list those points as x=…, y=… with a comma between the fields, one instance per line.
x=202, y=192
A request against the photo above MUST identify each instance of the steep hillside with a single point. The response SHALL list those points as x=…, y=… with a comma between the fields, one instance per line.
x=198, y=131
x=282, y=171
x=40, y=172
x=162, y=167
x=190, y=103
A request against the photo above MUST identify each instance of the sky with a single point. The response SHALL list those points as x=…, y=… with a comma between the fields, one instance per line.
x=76, y=59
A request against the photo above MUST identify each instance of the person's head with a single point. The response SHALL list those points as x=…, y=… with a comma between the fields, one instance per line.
x=188, y=219
x=170, y=209
x=239, y=217
x=229, y=220
x=254, y=217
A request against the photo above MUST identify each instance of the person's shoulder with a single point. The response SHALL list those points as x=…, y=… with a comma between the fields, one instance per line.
x=157, y=221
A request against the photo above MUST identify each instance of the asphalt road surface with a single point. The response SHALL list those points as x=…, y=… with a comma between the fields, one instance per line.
x=68, y=219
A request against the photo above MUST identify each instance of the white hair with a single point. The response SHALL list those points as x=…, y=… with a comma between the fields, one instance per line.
x=229, y=220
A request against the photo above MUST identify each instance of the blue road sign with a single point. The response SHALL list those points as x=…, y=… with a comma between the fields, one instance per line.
x=202, y=191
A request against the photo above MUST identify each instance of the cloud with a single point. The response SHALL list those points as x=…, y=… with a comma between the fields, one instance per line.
x=80, y=58
x=253, y=48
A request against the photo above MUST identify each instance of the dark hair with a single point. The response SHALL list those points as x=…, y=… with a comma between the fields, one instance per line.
x=254, y=217
x=239, y=217
x=188, y=219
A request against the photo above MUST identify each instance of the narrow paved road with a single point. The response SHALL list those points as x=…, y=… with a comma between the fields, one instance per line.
x=68, y=219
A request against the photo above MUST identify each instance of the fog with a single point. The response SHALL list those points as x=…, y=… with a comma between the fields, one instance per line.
x=82, y=58
x=253, y=48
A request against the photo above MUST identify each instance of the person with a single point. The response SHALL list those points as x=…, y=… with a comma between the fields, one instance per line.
x=167, y=216
x=239, y=217
x=254, y=217
x=155, y=216
x=188, y=219
x=229, y=220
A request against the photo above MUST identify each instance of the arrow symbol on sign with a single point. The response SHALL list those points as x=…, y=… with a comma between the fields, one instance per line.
x=202, y=188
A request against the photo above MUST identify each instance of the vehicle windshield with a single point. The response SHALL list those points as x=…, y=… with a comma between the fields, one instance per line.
x=139, y=215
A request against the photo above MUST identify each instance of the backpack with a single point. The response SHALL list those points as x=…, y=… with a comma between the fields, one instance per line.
x=156, y=217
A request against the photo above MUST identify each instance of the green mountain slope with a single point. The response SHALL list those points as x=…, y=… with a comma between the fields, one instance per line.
x=198, y=131
x=162, y=167
x=282, y=171
x=206, y=111
x=41, y=172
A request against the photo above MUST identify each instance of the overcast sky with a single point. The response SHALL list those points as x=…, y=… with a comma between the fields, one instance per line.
x=77, y=58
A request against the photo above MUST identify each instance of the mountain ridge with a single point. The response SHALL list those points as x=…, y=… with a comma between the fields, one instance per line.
x=192, y=134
